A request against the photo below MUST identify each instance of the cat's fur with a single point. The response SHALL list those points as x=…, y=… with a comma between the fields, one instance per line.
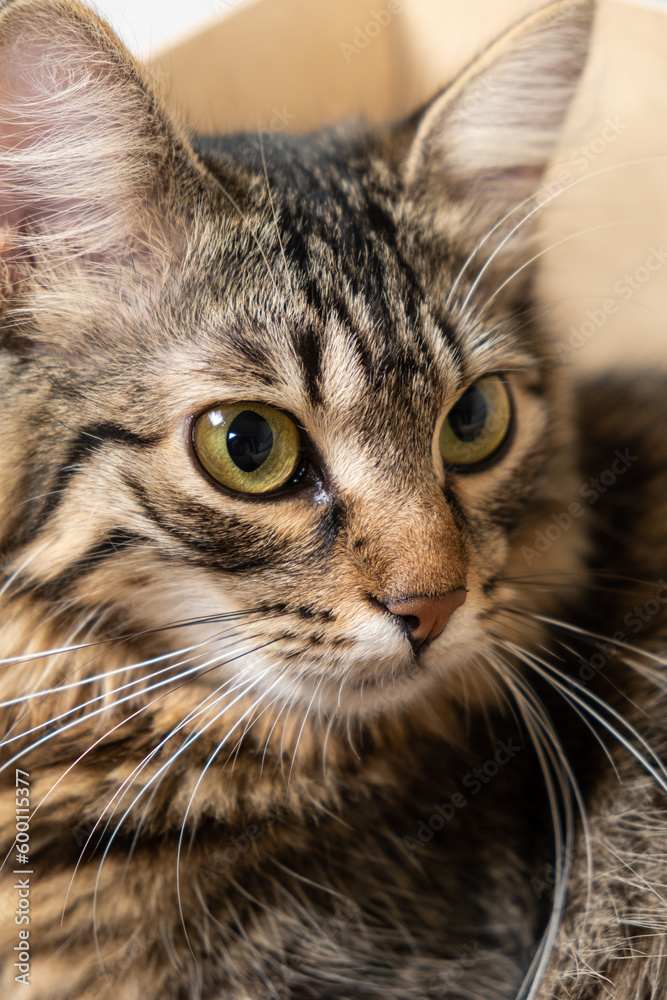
x=257, y=819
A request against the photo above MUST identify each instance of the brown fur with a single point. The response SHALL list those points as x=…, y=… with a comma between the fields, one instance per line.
x=245, y=823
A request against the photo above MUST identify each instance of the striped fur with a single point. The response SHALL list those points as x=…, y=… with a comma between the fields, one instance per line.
x=234, y=753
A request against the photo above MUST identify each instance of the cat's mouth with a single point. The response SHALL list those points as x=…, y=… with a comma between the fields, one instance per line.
x=366, y=656
x=379, y=667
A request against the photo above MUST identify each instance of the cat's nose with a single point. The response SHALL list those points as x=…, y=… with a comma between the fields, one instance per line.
x=424, y=618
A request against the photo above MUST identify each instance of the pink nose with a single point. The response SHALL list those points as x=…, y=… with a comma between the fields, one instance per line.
x=424, y=618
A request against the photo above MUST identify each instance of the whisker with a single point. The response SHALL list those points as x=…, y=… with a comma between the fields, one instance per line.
x=552, y=246
x=117, y=726
x=582, y=715
x=303, y=724
x=199, y=668
x=94, y=678
x=559, y=681
x=115, y=640
x=137, y=770
x=203, y=669
x=546, y=201
x=535, y=718
x=236, y=680
x=88, y=750
x=578, y=630
x=546, y=582
x=19, y=569
x=207, y=765
x=227, y=687
x=648, y=672
x=191, y=739
x=83, y=718
x=236, y=749
x=107, y=848
x=287, y=701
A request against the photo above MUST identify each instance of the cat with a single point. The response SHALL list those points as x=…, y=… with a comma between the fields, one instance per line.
x=322, y=674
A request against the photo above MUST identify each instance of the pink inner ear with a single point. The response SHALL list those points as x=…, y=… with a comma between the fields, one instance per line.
x=34, y=121
x=75, y=136
x=11, y=211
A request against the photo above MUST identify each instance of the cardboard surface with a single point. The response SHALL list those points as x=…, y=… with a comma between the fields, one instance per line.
x=299, y=64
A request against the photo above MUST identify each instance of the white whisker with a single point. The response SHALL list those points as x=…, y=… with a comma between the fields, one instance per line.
x=207, y=765
x=306, y=715
x=540, y=729
x=525, y=218
x=566, y=239
x=565, y=685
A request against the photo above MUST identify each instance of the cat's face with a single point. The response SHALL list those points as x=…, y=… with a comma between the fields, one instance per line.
x=285, y=385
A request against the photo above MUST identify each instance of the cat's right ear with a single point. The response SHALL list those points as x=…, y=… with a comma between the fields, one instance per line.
x=482, y=146
x=85, y=148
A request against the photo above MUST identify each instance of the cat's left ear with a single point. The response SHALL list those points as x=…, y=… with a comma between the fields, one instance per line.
x=482, y=145
x=87, y=152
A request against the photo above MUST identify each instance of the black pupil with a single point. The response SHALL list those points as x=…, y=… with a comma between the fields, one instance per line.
x=468, y=417
x=249, y=440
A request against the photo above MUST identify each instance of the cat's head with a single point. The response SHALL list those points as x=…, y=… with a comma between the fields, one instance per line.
x=299, y=381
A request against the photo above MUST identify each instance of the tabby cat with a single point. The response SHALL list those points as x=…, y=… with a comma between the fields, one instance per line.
x=322, y=674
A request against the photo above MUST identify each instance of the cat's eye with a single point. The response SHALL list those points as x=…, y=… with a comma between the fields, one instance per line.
x=248, y=447
x=477, y=424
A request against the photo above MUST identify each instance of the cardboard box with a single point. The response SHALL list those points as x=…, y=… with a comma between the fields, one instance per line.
x=300, y=64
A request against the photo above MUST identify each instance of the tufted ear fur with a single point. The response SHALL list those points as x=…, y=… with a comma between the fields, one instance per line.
x=83, y=146
x=482, y=145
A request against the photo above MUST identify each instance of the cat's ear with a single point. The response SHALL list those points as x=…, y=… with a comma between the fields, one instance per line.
x=482, y=146
x=83, y=143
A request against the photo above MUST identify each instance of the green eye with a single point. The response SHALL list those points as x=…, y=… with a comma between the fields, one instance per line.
x=248, y=447
x=477, y=423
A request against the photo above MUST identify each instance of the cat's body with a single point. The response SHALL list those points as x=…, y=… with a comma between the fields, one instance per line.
x=252, y=778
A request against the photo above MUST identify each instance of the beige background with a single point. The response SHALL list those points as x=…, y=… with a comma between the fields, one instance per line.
x=300, y=63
